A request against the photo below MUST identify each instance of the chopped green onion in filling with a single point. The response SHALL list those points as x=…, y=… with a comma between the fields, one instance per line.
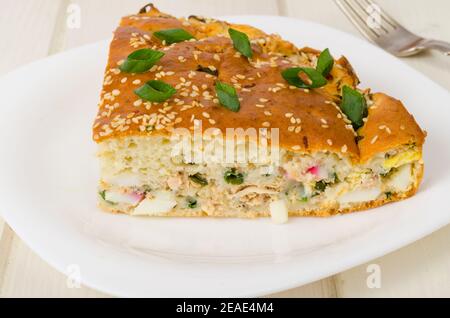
x=322, y=185
x=191, y=202
x=234, y=177
x=199, y=179
x=103, y=196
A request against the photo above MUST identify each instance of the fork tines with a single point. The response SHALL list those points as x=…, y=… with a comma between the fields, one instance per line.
x=368, y=17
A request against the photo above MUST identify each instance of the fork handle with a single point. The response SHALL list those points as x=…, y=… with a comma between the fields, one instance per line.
x=438, y=45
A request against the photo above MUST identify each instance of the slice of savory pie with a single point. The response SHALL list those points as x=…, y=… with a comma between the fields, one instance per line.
x=329, y=147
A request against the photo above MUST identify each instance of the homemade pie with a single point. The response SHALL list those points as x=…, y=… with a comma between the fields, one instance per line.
x=329, y=146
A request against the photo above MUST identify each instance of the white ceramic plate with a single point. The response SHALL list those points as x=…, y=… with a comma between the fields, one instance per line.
x=48, y=185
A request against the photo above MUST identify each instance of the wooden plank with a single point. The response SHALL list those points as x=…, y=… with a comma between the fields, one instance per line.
x=22, y=272
x=98, y=18
x=2, y=227
x=321, y=11
x=26, y=29
x=28, y=275
x=6, y=238
x=324, y=288
x=418, y=270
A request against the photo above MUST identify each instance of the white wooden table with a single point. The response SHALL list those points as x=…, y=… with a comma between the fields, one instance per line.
x=33, y=29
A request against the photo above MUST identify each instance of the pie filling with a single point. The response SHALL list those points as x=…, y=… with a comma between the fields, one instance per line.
x=141, y=176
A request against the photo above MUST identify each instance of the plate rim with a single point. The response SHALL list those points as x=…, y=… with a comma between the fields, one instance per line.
x=362, y=257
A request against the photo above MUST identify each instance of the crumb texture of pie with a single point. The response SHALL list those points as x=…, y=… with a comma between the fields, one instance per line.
x=338, y=148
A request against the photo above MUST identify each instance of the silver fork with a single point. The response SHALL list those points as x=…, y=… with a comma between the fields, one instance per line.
x=377, y=26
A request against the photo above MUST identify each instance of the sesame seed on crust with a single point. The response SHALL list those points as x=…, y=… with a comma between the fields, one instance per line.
x=301, y=114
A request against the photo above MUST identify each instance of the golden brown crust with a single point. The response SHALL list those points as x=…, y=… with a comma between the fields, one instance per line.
x=308, y=120
x=388, y=126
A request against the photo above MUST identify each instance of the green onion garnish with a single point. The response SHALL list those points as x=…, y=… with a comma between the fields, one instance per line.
x=227, y=96
x=155, y=91
x=141, y=61
x=354, y=106
x=173, y=35
x=234, y=177
x=241, y=42
x=316, y=79
x=325, y=63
